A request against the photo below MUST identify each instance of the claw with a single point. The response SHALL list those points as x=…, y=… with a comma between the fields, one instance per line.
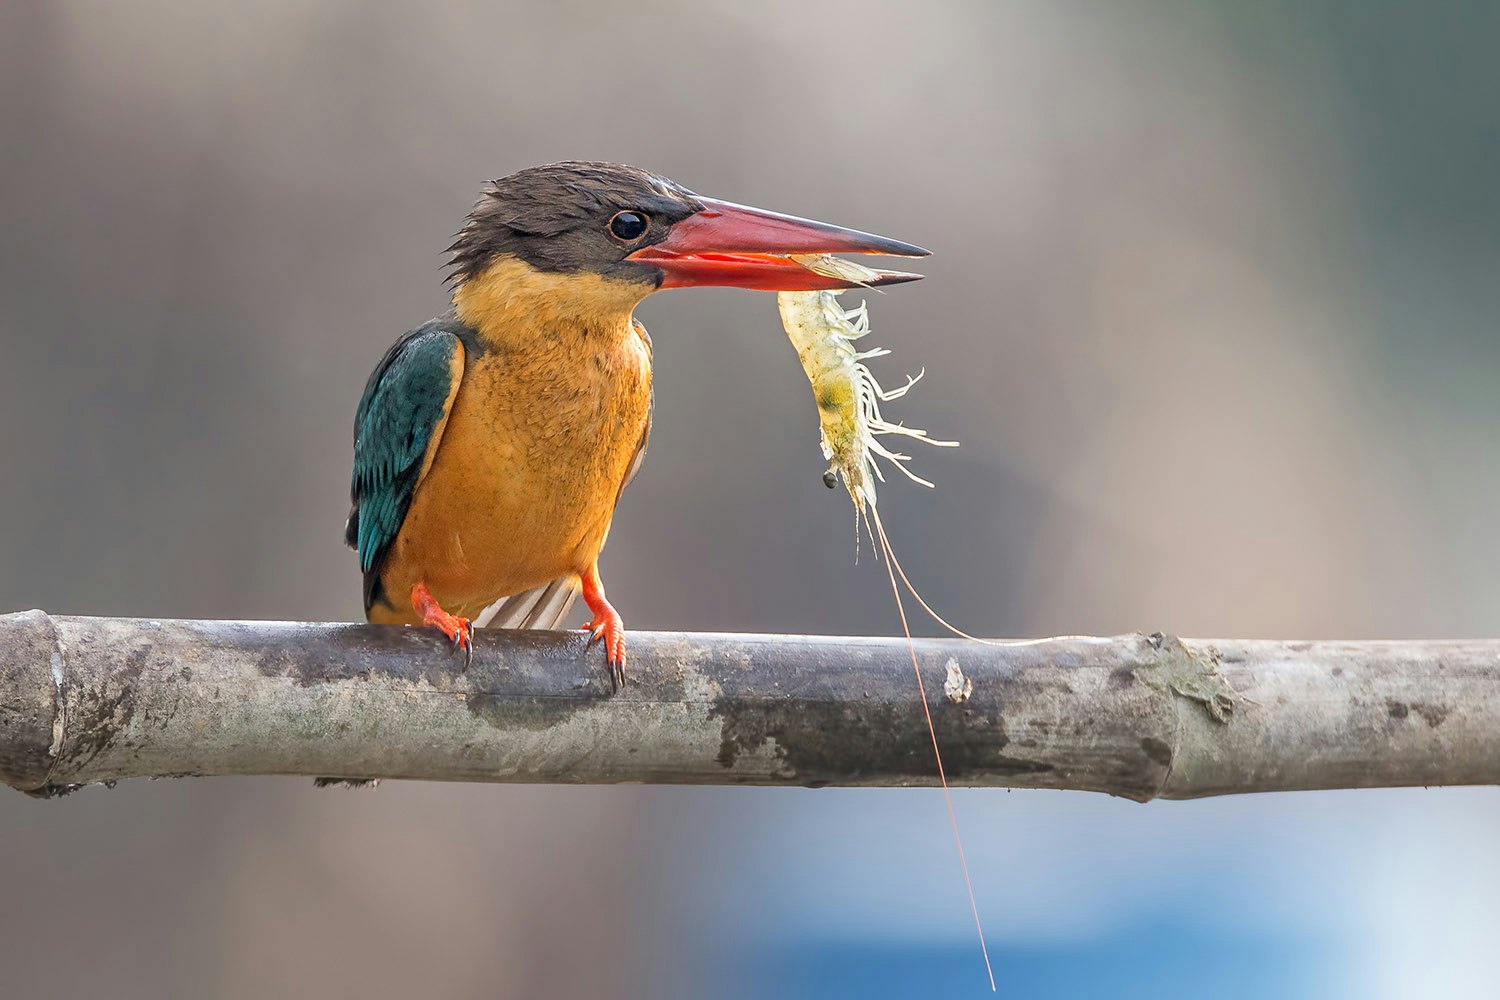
x=607, y=625
x=464, y=637
x=459, y=630
x=611, y=629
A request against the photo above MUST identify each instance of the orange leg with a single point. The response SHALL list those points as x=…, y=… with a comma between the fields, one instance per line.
x=607, y=625
x=458, y=630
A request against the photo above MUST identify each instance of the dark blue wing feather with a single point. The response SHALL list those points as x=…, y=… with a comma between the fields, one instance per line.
x=405, y=401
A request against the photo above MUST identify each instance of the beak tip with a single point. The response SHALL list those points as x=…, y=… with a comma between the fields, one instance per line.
x=885, y=246
x=895, y=278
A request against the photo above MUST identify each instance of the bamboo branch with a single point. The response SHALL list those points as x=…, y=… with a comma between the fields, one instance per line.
x=85, y=700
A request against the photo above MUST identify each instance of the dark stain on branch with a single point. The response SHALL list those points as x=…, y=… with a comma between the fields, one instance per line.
x=100, y=715
x=828, y=741
x=1433, y=715
x=360, y=653
x=530, y=713
x=1157, y=750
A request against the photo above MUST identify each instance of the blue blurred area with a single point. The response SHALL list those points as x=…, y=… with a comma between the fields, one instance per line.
x=1159, y=955
x=859, y=893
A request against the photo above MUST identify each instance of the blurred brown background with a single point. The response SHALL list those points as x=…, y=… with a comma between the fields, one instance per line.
x=1211, y=309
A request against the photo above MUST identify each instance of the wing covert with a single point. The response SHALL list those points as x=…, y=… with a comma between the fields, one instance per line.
x=396, y=432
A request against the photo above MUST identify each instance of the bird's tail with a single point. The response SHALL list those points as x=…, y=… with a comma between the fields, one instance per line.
x=540, y=607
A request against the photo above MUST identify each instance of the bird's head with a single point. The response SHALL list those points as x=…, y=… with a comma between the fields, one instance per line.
x=605, y=230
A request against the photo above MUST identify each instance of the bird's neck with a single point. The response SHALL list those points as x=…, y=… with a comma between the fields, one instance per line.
x=510, y=303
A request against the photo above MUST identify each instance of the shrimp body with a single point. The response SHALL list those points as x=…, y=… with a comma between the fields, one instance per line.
x=847, y=393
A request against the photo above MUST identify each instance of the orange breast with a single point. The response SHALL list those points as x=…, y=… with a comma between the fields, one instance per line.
x=524, y=480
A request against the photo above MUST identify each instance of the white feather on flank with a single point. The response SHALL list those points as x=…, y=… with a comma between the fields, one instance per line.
x=541, y=607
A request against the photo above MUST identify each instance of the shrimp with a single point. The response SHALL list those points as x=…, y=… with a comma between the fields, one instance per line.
x=848, y=395
x=851, y=427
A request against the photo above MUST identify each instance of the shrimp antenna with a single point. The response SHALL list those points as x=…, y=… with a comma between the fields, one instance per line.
x=885, y=543
x=872, y=514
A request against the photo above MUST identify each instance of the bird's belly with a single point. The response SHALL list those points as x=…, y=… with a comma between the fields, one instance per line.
x=525, y=479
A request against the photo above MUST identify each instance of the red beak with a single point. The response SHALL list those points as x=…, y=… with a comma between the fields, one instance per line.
x=731, y=245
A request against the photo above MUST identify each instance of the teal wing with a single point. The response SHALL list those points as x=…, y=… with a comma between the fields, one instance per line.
x=396, y=429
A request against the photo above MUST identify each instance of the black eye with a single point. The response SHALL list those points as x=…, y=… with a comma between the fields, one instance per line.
x=629, y=226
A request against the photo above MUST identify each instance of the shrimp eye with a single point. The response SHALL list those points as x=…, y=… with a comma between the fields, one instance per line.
x=629, y=226
x=830, y=479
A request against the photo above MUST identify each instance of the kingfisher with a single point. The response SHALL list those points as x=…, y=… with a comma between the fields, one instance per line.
x=492, y=443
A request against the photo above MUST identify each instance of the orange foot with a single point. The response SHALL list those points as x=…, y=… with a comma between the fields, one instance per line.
x=606, y=625
x=458, y=629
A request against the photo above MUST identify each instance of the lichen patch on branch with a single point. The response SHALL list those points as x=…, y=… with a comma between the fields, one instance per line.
x=1190, y=674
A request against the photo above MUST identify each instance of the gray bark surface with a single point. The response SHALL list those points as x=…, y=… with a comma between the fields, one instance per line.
x=86, y=700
